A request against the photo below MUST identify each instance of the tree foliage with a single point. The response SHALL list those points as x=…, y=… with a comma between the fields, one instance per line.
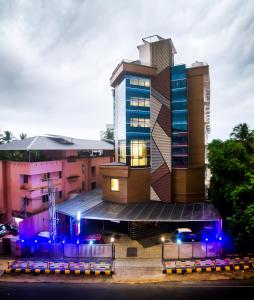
x=232, y=183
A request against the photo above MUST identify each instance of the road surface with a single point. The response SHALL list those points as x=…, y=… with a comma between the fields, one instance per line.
x=171, y=290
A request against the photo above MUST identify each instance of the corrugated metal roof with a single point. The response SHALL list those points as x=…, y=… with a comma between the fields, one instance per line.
x=91, y=206
x=56, y=143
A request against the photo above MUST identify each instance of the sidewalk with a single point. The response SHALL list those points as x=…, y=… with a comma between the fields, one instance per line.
x=129, y=271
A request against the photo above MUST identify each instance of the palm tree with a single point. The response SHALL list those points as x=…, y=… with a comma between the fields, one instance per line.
x=22, y=136
x=243, y=134
x=8, y=136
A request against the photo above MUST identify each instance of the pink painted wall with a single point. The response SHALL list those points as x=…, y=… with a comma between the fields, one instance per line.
x=16, y=189
x=31, y=226
x=1, y=189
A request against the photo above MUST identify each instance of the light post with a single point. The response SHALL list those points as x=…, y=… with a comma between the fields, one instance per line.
x=192, y=247
x=162, y=247
x=112, y=240
x=91, y=249
x=206, y=240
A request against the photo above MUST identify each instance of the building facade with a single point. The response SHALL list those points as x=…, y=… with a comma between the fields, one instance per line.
x=24, y=184
x=161, y=120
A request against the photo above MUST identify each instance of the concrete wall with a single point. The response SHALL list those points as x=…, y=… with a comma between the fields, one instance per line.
x=1, y=189
x=134, y=184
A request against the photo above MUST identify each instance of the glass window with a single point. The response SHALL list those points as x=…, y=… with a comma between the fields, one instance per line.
x=180, y=162
x=114, y=185
x=180, y=151
x=179, y=105
x=25, y=178
x=134, y=81
x=139, y=122
x=179, y=117
x=45, y=198
x=147, y=83
x=180, y=138
x=138, y=153
x=140, y=82
x=122, y=154
x=144, y=102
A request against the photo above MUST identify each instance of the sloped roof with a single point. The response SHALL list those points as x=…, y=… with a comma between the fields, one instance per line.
x=55, y=142
x=91, y=206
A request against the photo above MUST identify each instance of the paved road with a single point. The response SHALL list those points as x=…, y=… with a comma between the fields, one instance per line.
x=173, y=290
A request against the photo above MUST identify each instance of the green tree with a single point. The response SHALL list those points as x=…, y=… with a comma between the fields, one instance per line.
x=243, y=134
x=22, y=136
x=7, y=136
x=232, y=183
x=108, y=135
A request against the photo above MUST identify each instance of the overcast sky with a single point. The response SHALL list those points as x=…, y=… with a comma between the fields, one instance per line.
x=56, y=58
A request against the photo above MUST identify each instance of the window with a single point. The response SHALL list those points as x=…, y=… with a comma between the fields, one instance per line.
x=122, y=150
x=138, y=153
x=83, y=168
x=137, y=101
x=83, y=185
x=60, y=174
x=140, y=122
x=140, y=82
x=93, y=185
x=60, y=194
x=46, y=176
x=93, y=171
x=114, y=185
x=25, y=178
x=45, y=198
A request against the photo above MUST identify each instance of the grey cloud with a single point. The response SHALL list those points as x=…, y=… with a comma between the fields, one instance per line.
x=56, y=58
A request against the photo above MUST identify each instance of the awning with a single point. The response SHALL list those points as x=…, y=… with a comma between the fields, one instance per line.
x=91, y=206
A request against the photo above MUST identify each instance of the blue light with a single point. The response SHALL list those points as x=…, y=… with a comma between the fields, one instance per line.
x=63, y=241
x=220, y=238
x=206, y=239
x=78, y=216
x=90, y=242
x=35, y=241
x=49, y=241
x=178, y=241
x=22, y=241
x=77, y=241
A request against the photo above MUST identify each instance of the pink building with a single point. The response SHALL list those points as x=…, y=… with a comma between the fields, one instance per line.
x=72, y=164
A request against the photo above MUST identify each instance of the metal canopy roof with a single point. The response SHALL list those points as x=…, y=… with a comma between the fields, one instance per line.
x=91, y=206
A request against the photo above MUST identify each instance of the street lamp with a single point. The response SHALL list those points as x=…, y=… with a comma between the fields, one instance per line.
x=206, y=240
x=112, y=240
x=162, y=247
x=192, y=247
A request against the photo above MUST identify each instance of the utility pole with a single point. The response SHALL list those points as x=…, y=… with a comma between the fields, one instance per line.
x=52, y=210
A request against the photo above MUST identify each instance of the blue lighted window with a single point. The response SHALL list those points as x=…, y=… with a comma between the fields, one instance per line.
x=176, y=84
x=179, y=117
x=179, y=94
x=180, y=138
x=179, y=105
x=179, y=151
x=180, y=162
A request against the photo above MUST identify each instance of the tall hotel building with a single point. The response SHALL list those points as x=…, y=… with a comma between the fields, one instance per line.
x=161, y=121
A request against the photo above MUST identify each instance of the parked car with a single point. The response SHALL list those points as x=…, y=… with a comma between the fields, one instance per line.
x=11, y=229
x=183, y=235
x=3, y=230
x=207, y=234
